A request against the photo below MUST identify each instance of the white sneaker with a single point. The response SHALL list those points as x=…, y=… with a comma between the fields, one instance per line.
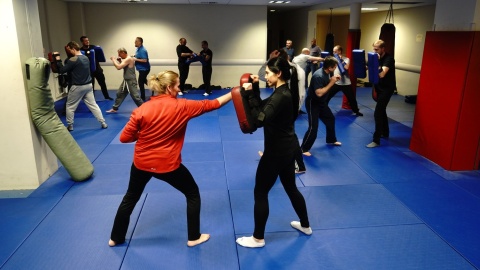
x=372, y=145
x=180, y=93
x=296, y=225
x=206, y=94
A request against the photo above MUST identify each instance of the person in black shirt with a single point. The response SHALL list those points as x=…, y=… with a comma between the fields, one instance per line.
x=385, y=89
x=98, y=73
x=207, y=56
x=183, y=53
x=276, y=114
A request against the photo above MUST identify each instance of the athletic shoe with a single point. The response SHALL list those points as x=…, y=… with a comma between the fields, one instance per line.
x=206, y=94
x=372, y=145
x=335, y=144
x=104, y=125
x=298, y=226
x=180, y=93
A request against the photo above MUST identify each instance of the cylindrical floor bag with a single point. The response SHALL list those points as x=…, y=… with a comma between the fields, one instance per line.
x=46, y=120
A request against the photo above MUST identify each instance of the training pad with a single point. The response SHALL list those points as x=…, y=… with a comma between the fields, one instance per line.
x=242, y=108
x=50, y=126
x=91, y=56
x=99, y=55
x=373, y=67
x=340, y=64
x=359, y=64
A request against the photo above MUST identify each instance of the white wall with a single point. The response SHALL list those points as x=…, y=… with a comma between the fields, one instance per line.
x=26, y=160
x=236, y=35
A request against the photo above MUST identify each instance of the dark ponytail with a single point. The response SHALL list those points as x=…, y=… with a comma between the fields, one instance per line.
x=289, y=74
x=295, y=92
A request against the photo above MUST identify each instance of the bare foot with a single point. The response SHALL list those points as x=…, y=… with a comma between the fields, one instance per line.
x=203, y=238
x=307, y=154
x=111, y=243
x=260, y=153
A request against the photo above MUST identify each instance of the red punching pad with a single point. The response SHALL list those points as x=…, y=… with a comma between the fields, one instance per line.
x=53, y=61
x=240, y=102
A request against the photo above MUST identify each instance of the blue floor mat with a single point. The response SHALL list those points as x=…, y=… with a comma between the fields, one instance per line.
x=330, y=166
x=449, y=210
x=390, y=247
x=328, y=207
x=19, y=218
x=381, y=208
x=74, y=239
x=160, y=238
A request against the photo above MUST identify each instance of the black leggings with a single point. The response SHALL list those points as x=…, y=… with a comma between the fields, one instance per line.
x=180, y=179
x=269, y=168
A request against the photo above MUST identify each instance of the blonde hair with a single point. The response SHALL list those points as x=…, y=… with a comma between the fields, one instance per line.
x=159, y=83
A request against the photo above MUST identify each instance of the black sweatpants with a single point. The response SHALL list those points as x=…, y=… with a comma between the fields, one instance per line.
x=180, y=179
x=98, y=74
x=380, y=114
x=142, y=81
x=207, y=77
x=316, y=110
x=183, y=70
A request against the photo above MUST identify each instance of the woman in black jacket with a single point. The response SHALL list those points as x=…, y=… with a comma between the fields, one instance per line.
x=276, y=114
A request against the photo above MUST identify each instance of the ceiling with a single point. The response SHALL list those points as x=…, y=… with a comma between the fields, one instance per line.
x=339, y=7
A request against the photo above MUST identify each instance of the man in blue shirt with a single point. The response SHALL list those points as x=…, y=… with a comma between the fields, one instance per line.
x=289, y=50
x=142, y=65
x=317, y=106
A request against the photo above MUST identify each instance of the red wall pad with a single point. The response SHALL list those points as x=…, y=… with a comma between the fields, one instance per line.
x=353, y=42
x=446, y=128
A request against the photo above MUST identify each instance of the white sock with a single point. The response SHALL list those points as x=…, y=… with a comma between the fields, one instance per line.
x=298, y=226
x=249, y=242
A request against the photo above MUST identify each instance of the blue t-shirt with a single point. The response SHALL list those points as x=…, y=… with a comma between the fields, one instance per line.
x=142, y=53
x=290, y=52
x=319, y=79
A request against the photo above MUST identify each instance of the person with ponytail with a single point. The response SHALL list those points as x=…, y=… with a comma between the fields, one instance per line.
x=276, y=114
x=158, y=127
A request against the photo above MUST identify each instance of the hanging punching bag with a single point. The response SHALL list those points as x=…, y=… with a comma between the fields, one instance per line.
x=330, y=38
x=387, y=34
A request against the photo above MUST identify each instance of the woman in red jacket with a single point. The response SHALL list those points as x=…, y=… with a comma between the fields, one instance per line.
x=159, y=127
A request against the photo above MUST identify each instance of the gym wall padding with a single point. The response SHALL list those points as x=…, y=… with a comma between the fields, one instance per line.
x=46, y=120
x=353, y=42
x=446, y=126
